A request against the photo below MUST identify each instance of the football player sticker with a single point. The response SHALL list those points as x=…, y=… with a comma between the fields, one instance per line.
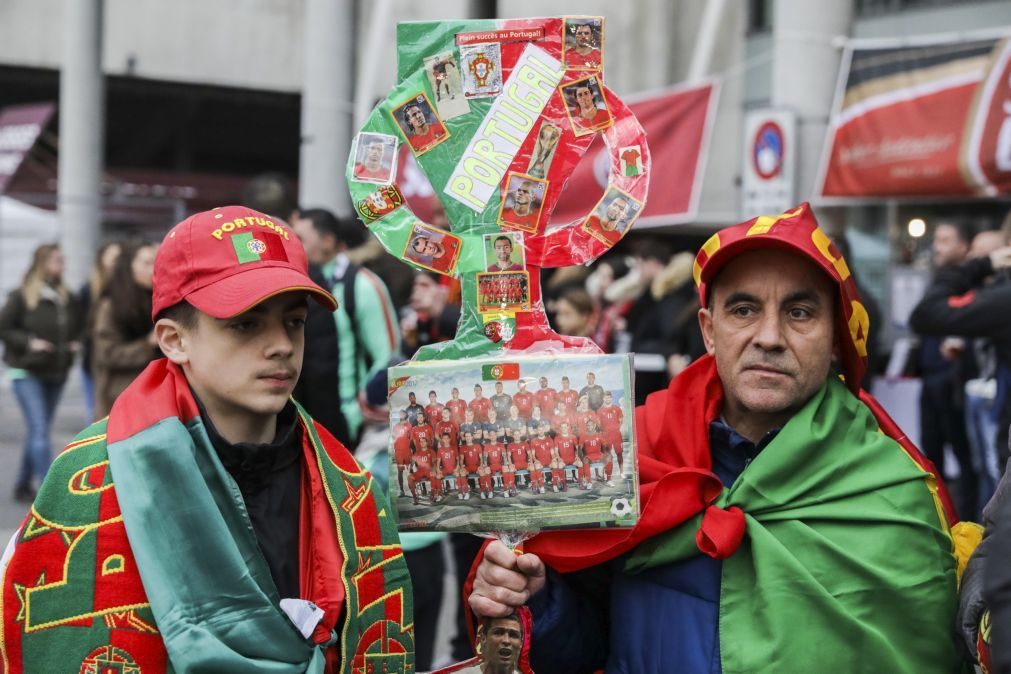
x=375, y=158
x=432, y=248
x=612, y=216
x=482, y=70
x=582, y=43
x=419, y=123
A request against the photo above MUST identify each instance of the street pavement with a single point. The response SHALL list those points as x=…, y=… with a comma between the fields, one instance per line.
x=70, y=420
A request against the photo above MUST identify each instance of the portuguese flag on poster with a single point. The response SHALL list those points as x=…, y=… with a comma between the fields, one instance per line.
x=500, y=371
x=250, y=247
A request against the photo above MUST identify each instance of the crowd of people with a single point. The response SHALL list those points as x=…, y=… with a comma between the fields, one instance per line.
x=799, y=481
x=46, y=327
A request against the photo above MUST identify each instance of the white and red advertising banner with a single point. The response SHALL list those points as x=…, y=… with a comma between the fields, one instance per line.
x=20, y=126
x=931, y=119
x=677, y=123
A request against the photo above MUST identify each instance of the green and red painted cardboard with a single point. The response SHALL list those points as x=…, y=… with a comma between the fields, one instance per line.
x=470, y=158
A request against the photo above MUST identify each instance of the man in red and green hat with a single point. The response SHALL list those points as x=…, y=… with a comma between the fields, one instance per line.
x=209, y=524
x=787, y=525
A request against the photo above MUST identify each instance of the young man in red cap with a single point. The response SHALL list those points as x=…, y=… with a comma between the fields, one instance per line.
x=209, y=524
x=786, y=525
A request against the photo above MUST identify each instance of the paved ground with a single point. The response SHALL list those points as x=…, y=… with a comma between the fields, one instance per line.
x=70, y=419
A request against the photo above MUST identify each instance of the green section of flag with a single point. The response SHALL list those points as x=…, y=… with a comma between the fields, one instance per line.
x=845, y=565
x=242, y=250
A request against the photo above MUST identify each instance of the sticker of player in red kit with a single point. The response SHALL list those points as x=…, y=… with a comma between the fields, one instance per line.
x=521, y=205
x=375, y=158
x=432, y=248
x=583, y=43
x=419, y=123
x=586, y=106
x=612, y=217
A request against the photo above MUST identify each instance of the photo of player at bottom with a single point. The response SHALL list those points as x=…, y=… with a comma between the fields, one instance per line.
x=552, y=447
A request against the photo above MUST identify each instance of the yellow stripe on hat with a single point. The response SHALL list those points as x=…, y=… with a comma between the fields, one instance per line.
x=709, y=247
x=764, y=223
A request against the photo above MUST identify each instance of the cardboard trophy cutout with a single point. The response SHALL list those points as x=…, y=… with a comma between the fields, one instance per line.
x=497, y=114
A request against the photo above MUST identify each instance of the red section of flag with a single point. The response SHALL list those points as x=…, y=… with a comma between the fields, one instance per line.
x=675, y=124
x=275, y=247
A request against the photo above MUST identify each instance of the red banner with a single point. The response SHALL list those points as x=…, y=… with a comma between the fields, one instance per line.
x=677, y=124
x=20, y=126
x=927, y=120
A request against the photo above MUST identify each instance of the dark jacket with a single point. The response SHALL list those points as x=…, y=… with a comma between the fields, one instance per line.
x=958, y=303
x=318, y=387
x=117, y=357
x=53, y=320
x=594, y=617
x=986, y=581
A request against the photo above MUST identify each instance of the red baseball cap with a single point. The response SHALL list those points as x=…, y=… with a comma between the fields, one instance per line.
x=796, y=231
x=227, y=260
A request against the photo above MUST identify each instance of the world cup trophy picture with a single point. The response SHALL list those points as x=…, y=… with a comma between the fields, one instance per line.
x=510, y=428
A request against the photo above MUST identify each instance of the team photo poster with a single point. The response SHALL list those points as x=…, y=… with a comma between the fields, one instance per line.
x=524, y=444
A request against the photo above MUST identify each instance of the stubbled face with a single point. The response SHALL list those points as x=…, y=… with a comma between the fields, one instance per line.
x=616, y=210
x=315, y=247
x=524, y=194
x=502, y=644
x=416, y=118
x=247, y=365
x=374, y=153
x=503, y=249
x=947, y=246
x=425, y=246
x=584, y=98
x=770, y=328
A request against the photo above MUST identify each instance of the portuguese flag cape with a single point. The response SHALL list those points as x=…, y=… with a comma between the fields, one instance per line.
x=138, y=556
x=835, y=540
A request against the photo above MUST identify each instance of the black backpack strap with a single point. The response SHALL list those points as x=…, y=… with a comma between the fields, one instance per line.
x=350, y=307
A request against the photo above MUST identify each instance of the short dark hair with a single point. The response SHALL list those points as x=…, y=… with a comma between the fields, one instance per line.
x=503, y=238
x=408, y=107
x=963, y=230
x=270, y=193
x=345, y=230
x=183, y=313
x=652, y=248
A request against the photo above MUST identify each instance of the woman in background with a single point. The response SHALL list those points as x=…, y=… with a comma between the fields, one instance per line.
x=39, y=326
x=122, y=334
x=89, y=295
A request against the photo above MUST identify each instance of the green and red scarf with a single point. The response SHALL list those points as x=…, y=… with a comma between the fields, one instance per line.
x=137, y=557
x=835, y=540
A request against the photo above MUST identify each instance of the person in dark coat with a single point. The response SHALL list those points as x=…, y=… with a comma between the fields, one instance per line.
x=40, y=327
